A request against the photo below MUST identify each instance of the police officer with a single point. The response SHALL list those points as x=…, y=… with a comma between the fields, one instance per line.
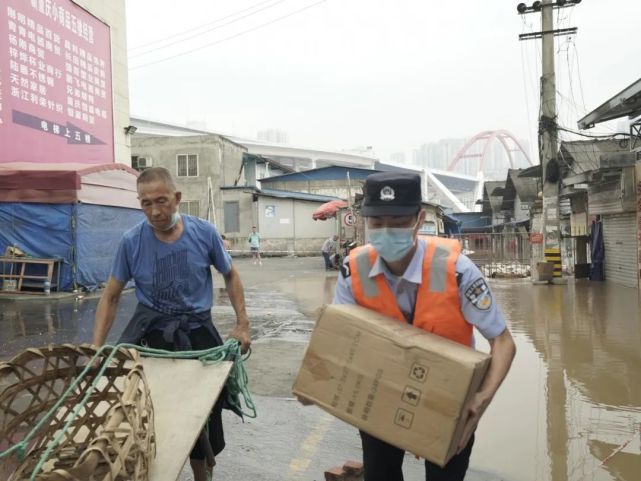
x=427, y=283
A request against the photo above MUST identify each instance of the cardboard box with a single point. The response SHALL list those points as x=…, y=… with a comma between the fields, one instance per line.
x=394, y=381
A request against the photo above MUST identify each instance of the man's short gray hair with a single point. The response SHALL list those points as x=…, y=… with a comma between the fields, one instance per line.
x=157, y=174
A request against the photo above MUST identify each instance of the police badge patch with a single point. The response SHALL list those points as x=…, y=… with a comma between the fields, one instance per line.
x=387, y=193
x=345, y=270
x=479, y=295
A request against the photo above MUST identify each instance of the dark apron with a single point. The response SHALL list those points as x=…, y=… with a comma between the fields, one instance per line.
x=175, y=332
x=174, y=327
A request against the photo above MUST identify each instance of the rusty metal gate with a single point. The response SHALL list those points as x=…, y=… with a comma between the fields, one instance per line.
x=506, y=255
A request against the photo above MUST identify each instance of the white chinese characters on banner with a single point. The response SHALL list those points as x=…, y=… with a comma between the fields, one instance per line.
x=65, y=18
x=35, y=54
x=31, y=76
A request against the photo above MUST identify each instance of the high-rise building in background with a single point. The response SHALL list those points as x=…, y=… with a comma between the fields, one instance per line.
x=439, y=155
x=277, y=136
x=397, y=158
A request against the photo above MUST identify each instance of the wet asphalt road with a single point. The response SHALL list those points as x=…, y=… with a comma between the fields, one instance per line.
x=572, y=398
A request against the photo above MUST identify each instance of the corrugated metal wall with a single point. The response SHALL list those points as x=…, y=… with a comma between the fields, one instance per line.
x=619, y=237
x=613, y=194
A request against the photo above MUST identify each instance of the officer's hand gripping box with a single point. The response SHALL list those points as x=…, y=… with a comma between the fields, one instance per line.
x=391, y=380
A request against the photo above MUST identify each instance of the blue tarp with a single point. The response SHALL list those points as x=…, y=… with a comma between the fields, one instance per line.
x=451, y=225
x=84, y=236
x=99, y=229
x=39, y=230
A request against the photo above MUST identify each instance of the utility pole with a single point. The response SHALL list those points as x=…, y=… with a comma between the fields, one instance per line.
x=548, y=133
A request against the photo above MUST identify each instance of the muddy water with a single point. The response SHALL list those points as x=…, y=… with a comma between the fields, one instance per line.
x=570, y=409
x=37, y=322
x=573, y=397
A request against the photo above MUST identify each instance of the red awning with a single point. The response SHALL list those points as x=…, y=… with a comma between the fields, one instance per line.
x=64, y=183
x=328, y=209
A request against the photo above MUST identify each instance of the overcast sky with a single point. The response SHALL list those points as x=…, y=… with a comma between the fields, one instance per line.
x=391, y=74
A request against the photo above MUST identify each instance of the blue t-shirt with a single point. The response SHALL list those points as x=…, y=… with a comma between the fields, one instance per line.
x=172, y=278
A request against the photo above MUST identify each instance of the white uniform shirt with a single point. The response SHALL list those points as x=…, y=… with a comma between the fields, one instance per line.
x=328, y=245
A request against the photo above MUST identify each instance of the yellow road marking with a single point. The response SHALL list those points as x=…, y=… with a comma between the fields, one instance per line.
x=308, y=448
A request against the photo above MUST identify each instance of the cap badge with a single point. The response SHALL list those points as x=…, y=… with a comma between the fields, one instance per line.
x=387, y=193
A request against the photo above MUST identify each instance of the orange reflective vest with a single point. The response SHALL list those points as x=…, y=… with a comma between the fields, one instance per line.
x=438, y=305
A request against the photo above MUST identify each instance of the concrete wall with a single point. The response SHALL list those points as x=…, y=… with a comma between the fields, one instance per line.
x=307, y=227
x=113, y=14
x=431, y=219
x=285, y=225
x=247, y=214
x=218, y=159
x=291, y=228
x=281, y=225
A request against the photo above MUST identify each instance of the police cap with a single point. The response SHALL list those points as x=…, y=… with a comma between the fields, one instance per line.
x=391, y=193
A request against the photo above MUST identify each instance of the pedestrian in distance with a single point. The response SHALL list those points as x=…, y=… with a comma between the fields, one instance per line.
x=429, y=284
x=169, y=256
x=254, y=246
x=329, y=248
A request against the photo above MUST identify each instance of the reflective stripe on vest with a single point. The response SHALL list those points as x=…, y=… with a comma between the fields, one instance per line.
x=438, y=305
x=438, y=271
x=370, y=289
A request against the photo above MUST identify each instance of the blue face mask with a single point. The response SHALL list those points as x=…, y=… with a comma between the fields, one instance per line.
x=392, y=243
x=175, y=217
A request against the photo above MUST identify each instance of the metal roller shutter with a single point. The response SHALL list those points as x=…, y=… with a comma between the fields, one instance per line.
x=619, y=238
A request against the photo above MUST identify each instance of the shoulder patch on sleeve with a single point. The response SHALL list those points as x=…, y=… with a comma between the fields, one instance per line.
x=479, y=294
x=345, y=271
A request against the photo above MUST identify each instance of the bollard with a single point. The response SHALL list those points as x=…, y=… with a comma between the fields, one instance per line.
x=554, y=256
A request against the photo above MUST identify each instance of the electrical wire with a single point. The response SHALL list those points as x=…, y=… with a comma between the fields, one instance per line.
x=595, y=136
x=578, y=69
x=569, y=105
x=253, y=29
x=204, y=32
x=570, y=74
x=592, y=150
x=534, y=82
x=190, y=30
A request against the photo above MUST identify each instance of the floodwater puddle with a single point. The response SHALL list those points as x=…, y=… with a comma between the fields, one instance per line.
x=570, y=409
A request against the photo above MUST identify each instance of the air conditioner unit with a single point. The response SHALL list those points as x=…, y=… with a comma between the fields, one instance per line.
x=144, y=162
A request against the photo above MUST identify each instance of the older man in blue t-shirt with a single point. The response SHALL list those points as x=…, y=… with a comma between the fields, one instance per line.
x=169, y=257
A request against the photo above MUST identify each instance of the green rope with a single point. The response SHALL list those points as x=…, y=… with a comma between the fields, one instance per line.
x=237, y=382
x=237, y=386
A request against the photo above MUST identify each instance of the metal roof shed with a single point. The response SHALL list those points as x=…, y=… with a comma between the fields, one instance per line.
x=626, y=103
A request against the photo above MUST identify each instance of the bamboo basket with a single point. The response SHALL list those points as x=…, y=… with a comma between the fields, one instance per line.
x=111, y=437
